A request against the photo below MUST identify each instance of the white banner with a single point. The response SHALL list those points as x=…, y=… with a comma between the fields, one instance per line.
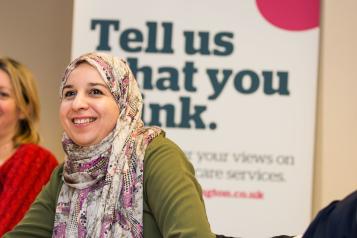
x=233, y=83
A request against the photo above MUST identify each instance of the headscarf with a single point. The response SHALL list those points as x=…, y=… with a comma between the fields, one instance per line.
x=102, y=194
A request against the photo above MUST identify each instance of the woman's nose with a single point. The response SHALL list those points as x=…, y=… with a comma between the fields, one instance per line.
x=79, y=102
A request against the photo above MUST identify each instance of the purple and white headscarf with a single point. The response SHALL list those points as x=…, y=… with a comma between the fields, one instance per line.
x=102, y=194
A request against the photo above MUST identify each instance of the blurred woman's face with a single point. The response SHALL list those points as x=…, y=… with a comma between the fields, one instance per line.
x=88, y=111
x=9, y=113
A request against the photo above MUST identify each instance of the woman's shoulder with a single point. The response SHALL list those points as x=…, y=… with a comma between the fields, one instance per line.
x=35, y=148
x=162, y=143
x=55, y=180
x=36, y=151
x=163, y=152
x=57, y=173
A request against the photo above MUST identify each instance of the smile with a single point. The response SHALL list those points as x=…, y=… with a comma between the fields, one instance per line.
x=81, y=121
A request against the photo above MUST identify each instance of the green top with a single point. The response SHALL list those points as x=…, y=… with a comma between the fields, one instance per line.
x=173, y=204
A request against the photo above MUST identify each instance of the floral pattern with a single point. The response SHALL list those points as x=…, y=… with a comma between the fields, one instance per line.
x=102, y=194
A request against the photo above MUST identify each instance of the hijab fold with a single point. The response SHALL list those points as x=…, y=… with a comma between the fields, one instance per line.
x=102, y=194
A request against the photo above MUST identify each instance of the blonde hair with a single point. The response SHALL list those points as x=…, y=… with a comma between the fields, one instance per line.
x=27, y=101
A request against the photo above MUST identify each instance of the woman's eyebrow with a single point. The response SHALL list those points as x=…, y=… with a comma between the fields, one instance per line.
x=67, y=86
x=2, y=87
x=98, y=84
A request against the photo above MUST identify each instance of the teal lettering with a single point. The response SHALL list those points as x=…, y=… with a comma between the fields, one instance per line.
x=131, y=36
x=248, y=75
x=145, y=70
x=187, y=116
x=282, y=87
x=104, y=26
x=227, y=46
x=155, y=114
x=203, y=43
x=171, y=81
x=152, y=39
x=189, y=70
x=217, y=84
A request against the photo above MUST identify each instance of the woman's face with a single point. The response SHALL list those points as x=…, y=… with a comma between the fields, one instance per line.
x=88, y=111
x=9, y=113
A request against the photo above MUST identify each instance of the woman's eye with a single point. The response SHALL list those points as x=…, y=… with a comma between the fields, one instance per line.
x=4, y=95
x=95, y=91
x=68, y=94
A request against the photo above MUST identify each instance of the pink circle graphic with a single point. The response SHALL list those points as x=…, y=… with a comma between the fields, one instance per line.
x=293, y=15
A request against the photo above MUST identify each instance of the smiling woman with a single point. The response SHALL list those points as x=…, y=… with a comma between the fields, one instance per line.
x=102, y=189
x=88, y=111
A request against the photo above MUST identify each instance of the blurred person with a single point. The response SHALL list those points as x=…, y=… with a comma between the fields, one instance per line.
x=337, y=220
x=24, y=165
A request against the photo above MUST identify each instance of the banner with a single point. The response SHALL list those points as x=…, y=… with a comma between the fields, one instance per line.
x=233, y=83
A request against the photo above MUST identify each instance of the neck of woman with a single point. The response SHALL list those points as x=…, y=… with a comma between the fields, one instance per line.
x=7, y=148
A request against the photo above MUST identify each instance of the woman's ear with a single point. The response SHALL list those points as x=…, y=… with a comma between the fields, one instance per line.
x=21, y=114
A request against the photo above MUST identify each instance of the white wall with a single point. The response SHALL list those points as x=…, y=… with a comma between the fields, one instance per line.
x=38, y=34
x=336, y=140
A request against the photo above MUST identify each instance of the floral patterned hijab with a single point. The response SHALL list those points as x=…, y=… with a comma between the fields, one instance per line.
x=102, y=194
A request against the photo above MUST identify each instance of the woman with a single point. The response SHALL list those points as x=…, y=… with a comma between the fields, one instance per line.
x=120, y=179
x=24, y=166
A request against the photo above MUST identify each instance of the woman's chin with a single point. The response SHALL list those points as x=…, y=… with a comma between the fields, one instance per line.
x=85, y=143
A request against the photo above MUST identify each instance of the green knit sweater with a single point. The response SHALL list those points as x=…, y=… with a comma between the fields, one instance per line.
x=173, y=204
